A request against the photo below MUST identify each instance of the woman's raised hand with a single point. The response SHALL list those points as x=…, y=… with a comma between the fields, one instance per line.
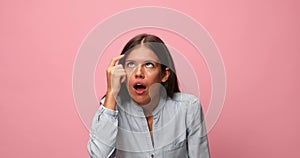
x=115, y=75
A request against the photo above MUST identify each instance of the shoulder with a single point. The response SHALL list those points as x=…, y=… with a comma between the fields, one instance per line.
x=187, y=101
x=187, y=105
x=184, y=97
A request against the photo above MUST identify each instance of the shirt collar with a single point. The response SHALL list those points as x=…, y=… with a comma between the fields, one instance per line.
x=132, y=108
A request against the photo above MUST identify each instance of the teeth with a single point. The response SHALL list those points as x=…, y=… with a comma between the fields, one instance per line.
x=139, y=86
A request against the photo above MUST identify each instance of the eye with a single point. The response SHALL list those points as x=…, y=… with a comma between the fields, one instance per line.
x=130, y=65
x=149, y=65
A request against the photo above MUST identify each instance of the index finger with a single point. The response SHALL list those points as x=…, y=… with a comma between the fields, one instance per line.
x=115, y=60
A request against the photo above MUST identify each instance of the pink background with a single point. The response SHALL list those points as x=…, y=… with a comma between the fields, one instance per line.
x=258, y=40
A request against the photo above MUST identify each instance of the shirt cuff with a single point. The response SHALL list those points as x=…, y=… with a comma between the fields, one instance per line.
x=108, y=112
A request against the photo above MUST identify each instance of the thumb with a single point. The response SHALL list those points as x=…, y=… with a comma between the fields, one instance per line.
x=123, y=79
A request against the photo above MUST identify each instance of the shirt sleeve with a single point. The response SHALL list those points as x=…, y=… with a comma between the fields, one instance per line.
x=103, y=133
x=197, y=137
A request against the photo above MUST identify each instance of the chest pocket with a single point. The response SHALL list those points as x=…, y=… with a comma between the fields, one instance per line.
x=177, y=149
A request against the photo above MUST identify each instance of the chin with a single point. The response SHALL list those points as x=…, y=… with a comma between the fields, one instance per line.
x=141, y=100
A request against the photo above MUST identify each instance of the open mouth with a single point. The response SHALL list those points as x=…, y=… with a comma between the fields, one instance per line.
x=139, y=88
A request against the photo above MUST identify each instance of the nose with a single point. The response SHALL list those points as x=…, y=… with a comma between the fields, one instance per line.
x=139, y=72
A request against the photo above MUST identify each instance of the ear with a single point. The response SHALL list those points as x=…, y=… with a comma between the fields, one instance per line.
x=166, y=75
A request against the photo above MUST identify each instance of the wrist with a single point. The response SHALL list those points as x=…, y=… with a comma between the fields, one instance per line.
x=111, y=93
x=110, y=101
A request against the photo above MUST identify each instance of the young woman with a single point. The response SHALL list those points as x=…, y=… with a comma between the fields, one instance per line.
x=143, y=113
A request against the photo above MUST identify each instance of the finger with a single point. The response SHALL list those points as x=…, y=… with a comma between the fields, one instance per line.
x=119, y=66
x=115, y=60
x=116, y=69
x=123, y=79
x=120, y=73
x=123, y=75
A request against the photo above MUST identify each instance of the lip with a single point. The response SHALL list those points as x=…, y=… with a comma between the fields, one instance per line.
x=139, y=91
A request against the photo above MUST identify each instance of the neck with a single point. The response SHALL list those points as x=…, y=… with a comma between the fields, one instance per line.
x=149, y=108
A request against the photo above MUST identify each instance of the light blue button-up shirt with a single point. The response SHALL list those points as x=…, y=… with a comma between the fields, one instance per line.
x=178, y=130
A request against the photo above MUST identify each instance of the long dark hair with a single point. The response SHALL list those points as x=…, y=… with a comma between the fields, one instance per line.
x=160, y=49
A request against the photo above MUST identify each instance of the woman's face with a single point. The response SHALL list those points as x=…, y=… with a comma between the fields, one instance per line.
x=143, y=73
